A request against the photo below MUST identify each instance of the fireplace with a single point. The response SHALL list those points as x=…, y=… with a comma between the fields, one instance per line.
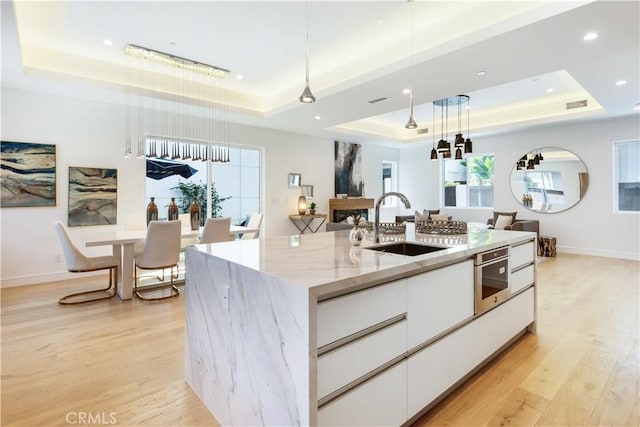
x=340, y=209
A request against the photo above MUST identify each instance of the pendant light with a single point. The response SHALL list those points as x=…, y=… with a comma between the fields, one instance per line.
x=307, y=97
x=468, y=145
x=442, y=144
x=459, y=141
x=434, y=153
x=411, y=123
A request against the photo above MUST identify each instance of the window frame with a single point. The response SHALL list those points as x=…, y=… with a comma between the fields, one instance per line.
x=441, y=190
x=616, y=175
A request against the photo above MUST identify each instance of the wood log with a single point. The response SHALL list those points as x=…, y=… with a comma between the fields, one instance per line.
x=547, y=246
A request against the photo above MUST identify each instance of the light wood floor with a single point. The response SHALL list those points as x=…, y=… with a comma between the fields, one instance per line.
x=123, y=362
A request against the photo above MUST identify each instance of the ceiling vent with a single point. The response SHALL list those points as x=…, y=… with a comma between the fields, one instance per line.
x=423, y=131
x=378, y=100
x=576, y=104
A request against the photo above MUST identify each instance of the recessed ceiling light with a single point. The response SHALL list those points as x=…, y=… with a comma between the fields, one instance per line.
x=549, y=90
x=637, y=107
x=239, y=77
x=380, y=21
x=590, y=36
x=108, y=42
x=406, y=91
x=481, y=73
x=621, y=82
x=317, y=117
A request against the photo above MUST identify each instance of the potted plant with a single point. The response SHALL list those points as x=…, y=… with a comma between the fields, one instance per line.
x=312, y=208
x=191, y=190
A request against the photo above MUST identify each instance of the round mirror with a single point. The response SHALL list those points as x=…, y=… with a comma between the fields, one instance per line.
x=549, y=180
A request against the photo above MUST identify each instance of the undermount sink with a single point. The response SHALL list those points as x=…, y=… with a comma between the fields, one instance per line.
x=404, y=248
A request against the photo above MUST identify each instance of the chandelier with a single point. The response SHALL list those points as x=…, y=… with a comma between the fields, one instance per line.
x=460, y=144
x=176, y=108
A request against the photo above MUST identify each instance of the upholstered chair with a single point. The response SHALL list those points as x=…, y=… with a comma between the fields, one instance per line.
x=77, y=262
x=254, y=222
x=216, y=230
x=161, y=250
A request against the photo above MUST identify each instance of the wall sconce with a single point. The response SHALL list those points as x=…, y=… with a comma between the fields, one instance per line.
x=302, y=205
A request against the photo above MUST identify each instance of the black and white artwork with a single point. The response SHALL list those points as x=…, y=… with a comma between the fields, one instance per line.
x=348, y=179
x=92, y=196
x=27, y=174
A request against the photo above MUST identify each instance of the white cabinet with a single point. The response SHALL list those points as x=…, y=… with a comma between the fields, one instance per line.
x=522, y=278
x=381, y=401
x=438, y=300
x=345, y=364
x=345, y=315
x=434, y=369
x=521, y=255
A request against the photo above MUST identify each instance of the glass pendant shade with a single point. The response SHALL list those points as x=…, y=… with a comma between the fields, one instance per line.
x=302, y=205
x=307, y=97
x=442, y=146
x=468, y=146
x=458, y=153
x=411, y=123
x=434, y=154
x=459, y=142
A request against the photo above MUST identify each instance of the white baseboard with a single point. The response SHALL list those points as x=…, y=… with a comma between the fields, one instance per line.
x=44, y=278
x=601, y=253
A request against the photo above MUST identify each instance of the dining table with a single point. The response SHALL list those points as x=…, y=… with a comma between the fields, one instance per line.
x=122, y=243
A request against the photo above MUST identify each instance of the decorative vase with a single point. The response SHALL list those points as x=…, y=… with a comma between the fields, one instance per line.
x=152, y=211
x=173, y=212
x=356, y=235
x=194, y=210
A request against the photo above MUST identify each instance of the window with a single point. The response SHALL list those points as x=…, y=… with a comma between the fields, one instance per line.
x=626, y=169
x=237, y=183
x=468, y=182
x=389, y=182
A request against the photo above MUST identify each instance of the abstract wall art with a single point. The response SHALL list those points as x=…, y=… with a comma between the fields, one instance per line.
x=27, y=174
x=348, y=179
x=92, y=196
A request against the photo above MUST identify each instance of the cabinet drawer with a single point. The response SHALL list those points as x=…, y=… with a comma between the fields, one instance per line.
x=349, y=362
x=380, y=401
x=345, y=315
x=438, y=300
x=521, y=279
x=521, y=255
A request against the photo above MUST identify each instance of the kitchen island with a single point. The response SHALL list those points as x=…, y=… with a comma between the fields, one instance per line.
x=309, y=330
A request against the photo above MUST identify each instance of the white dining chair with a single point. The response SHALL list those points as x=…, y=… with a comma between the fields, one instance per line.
x=77, y=262
x=161, y=250
x=216, y=230
x=254, y=222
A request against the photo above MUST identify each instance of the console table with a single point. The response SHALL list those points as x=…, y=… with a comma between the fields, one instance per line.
x=303, y=222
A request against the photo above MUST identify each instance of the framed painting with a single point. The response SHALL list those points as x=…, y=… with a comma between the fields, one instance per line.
x=348, y=169
x=92, y=196
x=307, y=191
x=27, y=174
x=294, y=180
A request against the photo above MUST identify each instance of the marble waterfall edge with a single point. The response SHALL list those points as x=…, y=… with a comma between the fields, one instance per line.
x=249, y=362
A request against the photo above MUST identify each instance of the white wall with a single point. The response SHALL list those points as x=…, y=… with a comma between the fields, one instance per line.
x=90, y=133
x=590, y=227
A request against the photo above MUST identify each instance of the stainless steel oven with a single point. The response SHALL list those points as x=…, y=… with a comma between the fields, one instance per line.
x=491, y=277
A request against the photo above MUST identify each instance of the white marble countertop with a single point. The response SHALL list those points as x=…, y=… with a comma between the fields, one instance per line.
x=328, y=265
